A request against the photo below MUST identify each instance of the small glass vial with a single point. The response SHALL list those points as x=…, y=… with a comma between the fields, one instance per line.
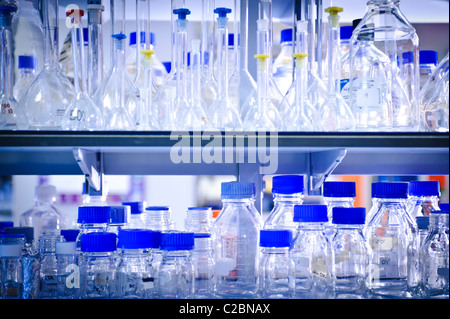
x=275, y=272
x=351, y=252
x=176, y=271
x=312, y=254
x=68, y=270
x=11, y=275
x=135, y=274
x=137, y=216
x=97, y=265
x=204, y=266
x=92, y=219
x=159, y=218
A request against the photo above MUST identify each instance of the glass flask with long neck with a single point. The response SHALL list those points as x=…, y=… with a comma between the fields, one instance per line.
x=81, y=114
x=117, y=96
x=95, y=46
x=48, y=96
x=223, y=114
x=262, y=115
x=11, y=114
x=335, y=113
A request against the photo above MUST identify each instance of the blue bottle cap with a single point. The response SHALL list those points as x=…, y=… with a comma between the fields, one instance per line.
x=168, y=66
x=423, y=222
x=390, y=190
x=6, y=224
x=135, y=207
x=424, y=188
x=135, y=239
x=98, y=242
x=222, y=12
x=118, y=215
x=182, y=13
x=119, y=36
x=237, y=190
x=346, y=32
x=310, y=214
x=440, y=212
x=199, y=208
x=339, y=189
x=349, y=215
x=275, y=238
x=428, y=57
x=408, y=57
x=287, y=184
x=443, y=206
x=175, y=240
x=93, y=214
x=27, y=62
x=286, y=35
x=205, y=59
x=70, y=234
x=202, y=235
x=157, y=208
x=28, y=232
x=133, y=37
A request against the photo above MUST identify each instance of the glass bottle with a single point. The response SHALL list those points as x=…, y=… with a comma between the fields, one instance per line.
x=67, y=270
x=49, y=269
x=27, y=65
x=155, y=254
x=335, y=113
x=390, y=232
x=136, y=214
x=283, y=64
x=202, y=257
x=97, y=266
x=312, y=254
x=159, y=218
x=92, y=219
x=134, y=276
x=11, y=275
x=176, y=271
x=275, y=272
x=236, y=232
x=287, y=192
x=423, y=198
x=435, y=254
x=351, y=252
x=428, y=60
x=422, y=225
x=198, y=220
x=49, y=94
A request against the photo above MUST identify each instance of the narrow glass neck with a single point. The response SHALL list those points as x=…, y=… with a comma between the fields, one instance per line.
x=265, y=12
x=207, y=34
x=288, y=199
x=196, y=74
x=181, y=58
x=169, y=254
x=316, y=227
x=95, y=44
x=222, y=58
x=6, y=56
x=50, y=16
x=334, y=66
x=238, y=201
x=243, y=38
x=275, y=250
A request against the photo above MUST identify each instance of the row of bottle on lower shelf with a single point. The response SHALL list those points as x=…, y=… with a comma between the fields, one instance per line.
x=399, y=249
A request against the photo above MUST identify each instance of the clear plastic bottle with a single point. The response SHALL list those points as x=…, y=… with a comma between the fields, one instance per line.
x=198, y=220
x=159, y=218
x=11, y=275
x=135, y=274
x=275, y=270
x=97, y=266
x=118, y=218
x=68, y=270
x=435, y=255
x=428, y=60
x=43, y=215
x=351, y=252
x=283, y=66
x=49, y=270
x=176, y=271
x=27, y=71
x=92, y=219
x=137, y=218
x=312, y=254
x=423, y=198
x=390, y=232
x=236, y=232
x=287, y=192
x=202, y=257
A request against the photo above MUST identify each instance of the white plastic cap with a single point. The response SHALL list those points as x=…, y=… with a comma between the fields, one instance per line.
x=66, y=248
x=45, y=192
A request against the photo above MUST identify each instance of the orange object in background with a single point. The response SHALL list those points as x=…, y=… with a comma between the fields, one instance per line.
x=361, y=192
x=216, y=213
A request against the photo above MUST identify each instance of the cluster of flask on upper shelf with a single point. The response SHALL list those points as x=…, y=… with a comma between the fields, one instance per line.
x=370, y=78
x=302, y=251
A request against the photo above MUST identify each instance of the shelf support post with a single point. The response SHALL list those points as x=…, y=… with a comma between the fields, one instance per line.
x=91, y=164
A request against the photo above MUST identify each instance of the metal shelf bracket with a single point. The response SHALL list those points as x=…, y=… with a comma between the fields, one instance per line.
x=91, y=164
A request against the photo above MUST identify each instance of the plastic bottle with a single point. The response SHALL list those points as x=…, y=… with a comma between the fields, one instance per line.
x=198, y=220
x=428, y=60
x=43, y=215
x=312, y=254
x=135, y=274
x=176, y=271
x=97, y=267
x=423, y=198
x=27, y=71
x=118, y=218
x=67, y=270
x=283, y=66
x=159, y=218
x=11, y=275
x=435, y=254
x=337, y=194
x=92, y=219
x=236, y=232
x=351, y=252
x=287, y=192
x=275, y=272
x=49, y=270
x=390, y=232
x=202, y=257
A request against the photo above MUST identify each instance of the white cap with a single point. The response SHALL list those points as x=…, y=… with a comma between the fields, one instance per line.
x=66, y=248
x=45, y=192
x=14, y=250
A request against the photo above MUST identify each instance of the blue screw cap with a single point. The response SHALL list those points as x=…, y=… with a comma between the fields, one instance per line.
x=222, y=12
x=182, y=13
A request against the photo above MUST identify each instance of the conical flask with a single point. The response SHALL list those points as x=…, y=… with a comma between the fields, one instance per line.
x=48, y=96
x=82, y=114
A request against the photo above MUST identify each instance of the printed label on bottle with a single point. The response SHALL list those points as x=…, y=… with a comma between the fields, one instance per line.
x=148, y=282
x=319, y=266
x=368, y=93
x=383, y=243
x=443, y=272
x=345, y=90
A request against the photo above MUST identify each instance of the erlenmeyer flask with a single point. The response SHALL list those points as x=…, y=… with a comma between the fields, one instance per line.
x=82, y=113
x=261, y=115
x=48, y=96
x=334, y=112
x=117, y=96
x=11, y=114
x=223, y=114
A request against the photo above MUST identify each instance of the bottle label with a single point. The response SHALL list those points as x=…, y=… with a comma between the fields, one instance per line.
x=443, y=272
x=319, y=267
x=383, y=243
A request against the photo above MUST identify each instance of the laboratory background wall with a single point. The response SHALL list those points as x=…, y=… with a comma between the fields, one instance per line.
x=430, y=18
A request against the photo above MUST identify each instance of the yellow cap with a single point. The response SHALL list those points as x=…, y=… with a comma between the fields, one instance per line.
x=300, y=55
x=261, y=56
x=148, y=53
x=334, y=10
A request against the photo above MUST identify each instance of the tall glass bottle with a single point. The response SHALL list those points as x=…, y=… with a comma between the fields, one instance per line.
x=50, y=93
x=27, y=71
